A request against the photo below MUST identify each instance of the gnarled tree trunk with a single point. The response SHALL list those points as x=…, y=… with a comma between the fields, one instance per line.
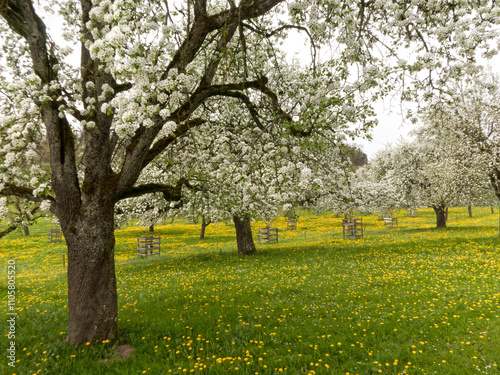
x=440, y=216
x=244, y=237
x=92, y=294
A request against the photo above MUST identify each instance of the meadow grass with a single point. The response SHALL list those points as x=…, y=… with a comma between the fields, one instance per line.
x=408, y=300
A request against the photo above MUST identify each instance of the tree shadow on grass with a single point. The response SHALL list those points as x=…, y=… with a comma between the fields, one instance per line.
x=449, y=229
x=223, y=249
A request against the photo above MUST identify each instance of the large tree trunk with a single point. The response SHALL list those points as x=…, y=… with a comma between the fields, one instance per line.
x=26, y=230
x=440, y=216
x=151, y=228
x=244, y=237
x=92, y=294
x=204, y=225
x=469, y=208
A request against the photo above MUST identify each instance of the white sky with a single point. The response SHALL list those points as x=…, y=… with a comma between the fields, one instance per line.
x=390, y=129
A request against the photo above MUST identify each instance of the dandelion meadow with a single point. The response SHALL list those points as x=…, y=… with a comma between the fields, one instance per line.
x=407, y=300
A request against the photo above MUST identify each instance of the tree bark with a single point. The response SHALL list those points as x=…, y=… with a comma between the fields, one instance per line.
x=204, y=224
x=440, y=216
x=92, y=293
x=469, y=208
x=26, y=230
x=492, y=210
x=151, y=228
x=244, y=237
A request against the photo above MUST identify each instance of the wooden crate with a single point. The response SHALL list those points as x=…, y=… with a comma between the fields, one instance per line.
x=391, y=222
x=148, y=245
x=54, y=235
x=268, y=234
x=352, y=228
x=291, y=224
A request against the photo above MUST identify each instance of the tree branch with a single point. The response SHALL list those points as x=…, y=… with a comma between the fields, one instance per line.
x=23, y=20
x=8, y=230
x=24, y=192
x=170, y=193
x=204, y=25
x=285, y=27
x=163, y=143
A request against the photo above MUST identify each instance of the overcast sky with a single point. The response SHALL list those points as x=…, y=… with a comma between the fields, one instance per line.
x=390, y=129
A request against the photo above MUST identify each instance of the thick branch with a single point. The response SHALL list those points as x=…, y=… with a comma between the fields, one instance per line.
x=8, y=230
x=227, y=35
x=204, y=25
x=22, y=19
x=203, y=93
x=24, y=192
x=163, y=143
x=170, y=193
x=251, y=108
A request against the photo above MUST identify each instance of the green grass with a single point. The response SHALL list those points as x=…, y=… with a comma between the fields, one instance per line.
x=411, y=300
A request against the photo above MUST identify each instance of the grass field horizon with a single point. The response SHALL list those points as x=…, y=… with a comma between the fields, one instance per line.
x=408, y=300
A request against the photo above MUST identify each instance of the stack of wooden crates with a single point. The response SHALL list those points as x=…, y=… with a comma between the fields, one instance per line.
x=268, y=234
x=148, y=245
x=352, y=228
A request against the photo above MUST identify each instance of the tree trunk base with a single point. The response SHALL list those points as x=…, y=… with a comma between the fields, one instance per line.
x=244, y=237
x=440, y=216
x=92, y=293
